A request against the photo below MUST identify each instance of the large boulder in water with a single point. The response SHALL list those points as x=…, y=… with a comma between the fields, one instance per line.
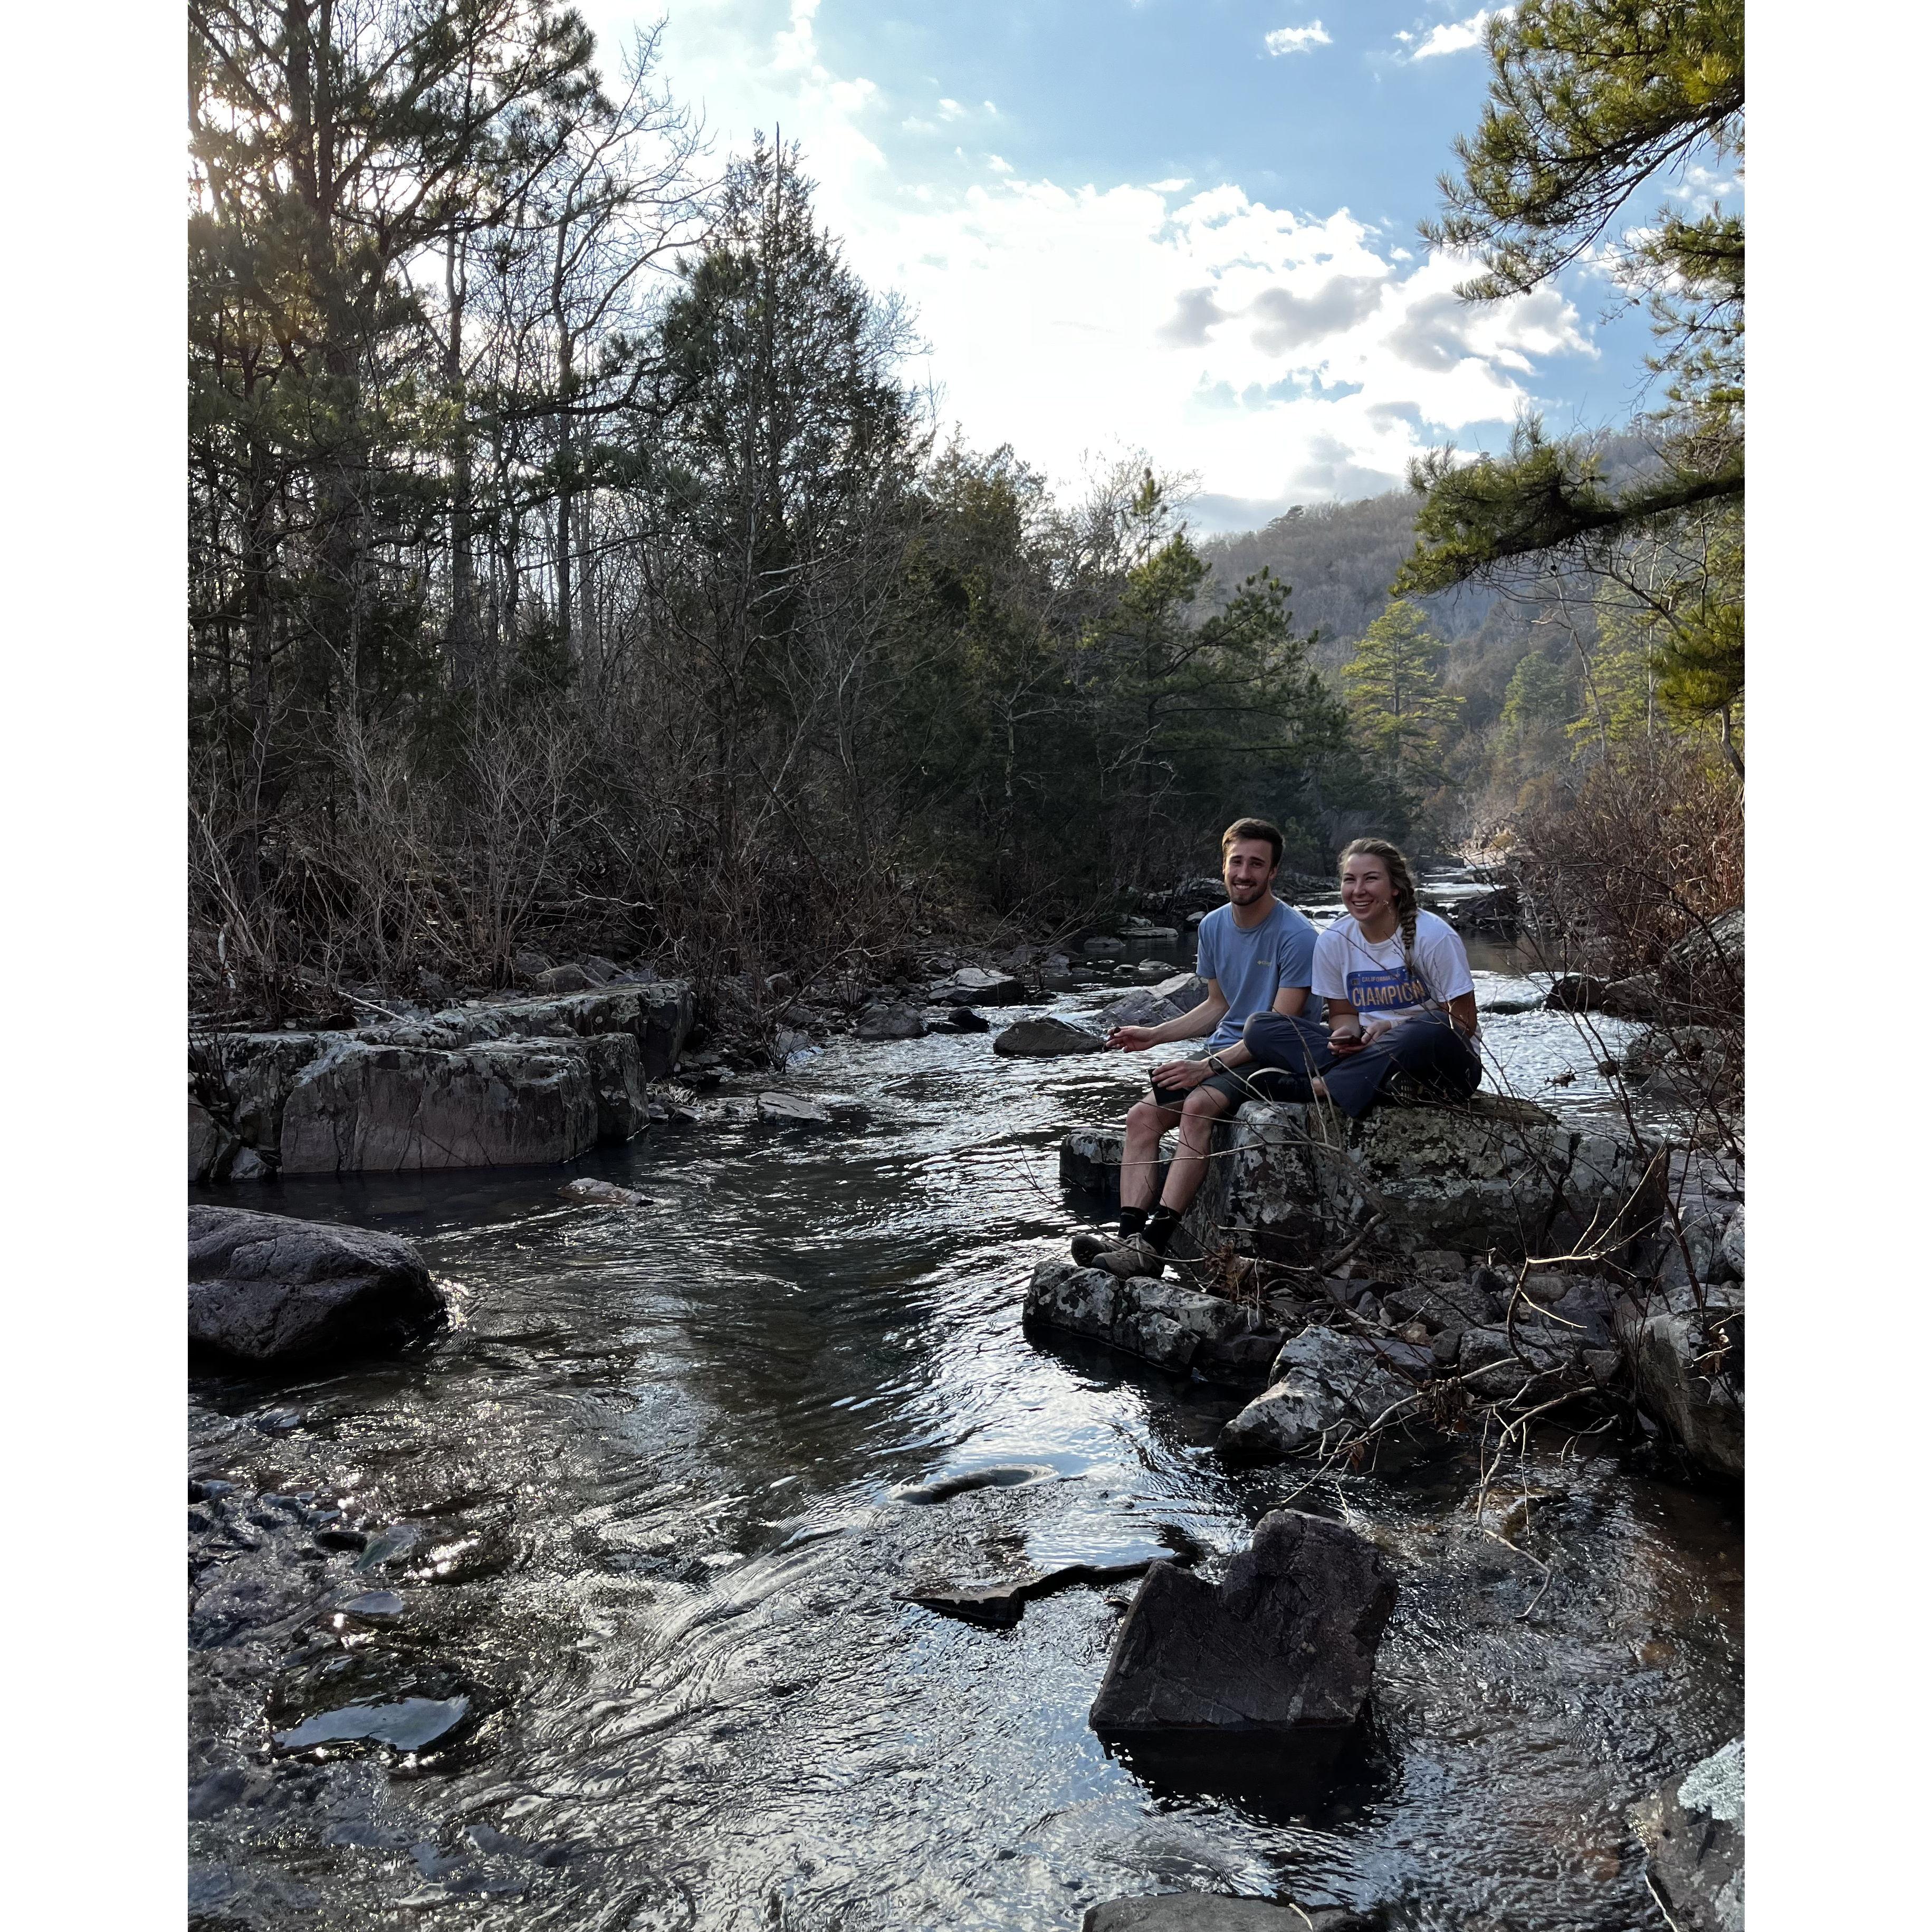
x=1293, y=1181
x=1047, y=1039
x=1285, y=1643
x=361, y=1108
x=268, y=1288
x=1694, y=1831
x=616, y=1038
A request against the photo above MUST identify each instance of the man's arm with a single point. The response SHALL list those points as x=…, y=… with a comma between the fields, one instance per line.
x=1196, y=1022
x=1288, y=1001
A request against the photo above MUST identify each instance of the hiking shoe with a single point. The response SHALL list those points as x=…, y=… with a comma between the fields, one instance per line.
x=1086, y=1244
x=1130, y=1258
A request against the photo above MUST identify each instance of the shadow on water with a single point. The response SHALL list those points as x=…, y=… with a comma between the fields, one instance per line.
x=656, y=1504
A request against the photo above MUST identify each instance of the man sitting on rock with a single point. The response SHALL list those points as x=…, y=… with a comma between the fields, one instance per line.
x=1256, y=954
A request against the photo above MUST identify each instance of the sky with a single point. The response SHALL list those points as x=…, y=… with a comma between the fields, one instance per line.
x=1182, y=228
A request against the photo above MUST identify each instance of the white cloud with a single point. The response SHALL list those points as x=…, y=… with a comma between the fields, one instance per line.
x=1297, y=40
x=951, y=110
x=1274, y=353
x=1458, y=36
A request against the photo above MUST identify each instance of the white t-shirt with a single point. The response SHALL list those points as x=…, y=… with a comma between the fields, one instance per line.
x=1373, y=976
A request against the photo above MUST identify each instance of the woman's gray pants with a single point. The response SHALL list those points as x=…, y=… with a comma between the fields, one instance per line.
x=1428, y=1049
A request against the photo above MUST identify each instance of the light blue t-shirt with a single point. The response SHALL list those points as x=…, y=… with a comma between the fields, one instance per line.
x=1251, y=967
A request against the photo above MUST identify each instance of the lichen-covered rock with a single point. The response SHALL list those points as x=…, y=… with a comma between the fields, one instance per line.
x=1172, y=1326
x=617, y=1079
x=360, y=1108
x=1322, y=1381
x=1694, y=1831
x=1286, y=1642
x=268, y=1289
x=1293, y=1181
x=1047, y=1038
x=1091, y=1157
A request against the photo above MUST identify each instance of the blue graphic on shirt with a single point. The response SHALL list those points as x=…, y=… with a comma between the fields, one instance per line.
x=1391, y=990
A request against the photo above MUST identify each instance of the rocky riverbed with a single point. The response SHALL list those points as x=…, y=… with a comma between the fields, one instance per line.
x=633, y=1596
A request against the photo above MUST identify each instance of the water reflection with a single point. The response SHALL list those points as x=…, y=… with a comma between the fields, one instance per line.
x=653, y=1485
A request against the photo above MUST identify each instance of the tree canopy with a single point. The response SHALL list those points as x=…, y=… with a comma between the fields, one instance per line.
x=1591, y=103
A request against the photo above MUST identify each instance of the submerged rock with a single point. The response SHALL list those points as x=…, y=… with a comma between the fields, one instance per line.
x=1285, y=1643
x=1694, y=1831
x=268, y=1289
x=1215, y=1912
x=407, y=1724
x=603, y=1194
x=1047, y=1038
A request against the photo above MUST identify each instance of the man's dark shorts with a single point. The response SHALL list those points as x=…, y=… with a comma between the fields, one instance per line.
x=1249, y=1083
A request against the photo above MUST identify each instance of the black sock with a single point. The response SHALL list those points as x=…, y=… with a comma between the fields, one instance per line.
x=1160, y=1226
x=1132, y=1220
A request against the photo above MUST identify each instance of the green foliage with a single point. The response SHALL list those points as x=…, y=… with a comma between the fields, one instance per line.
x=1589, y=101
x=1538, y=695
x=1396, y=697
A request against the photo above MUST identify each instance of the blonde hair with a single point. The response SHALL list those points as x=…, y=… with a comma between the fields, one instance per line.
x=1402, y=884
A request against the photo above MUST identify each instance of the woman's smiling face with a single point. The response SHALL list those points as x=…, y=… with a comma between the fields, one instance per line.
x=1367, y=891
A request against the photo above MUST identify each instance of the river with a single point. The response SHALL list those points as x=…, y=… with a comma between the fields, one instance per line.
x=650, y=1508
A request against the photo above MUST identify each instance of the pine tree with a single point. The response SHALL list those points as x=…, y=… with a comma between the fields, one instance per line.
x=1591, y=102
x=1396, y=696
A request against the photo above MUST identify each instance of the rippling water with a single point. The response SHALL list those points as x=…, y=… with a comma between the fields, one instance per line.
x=647, y=1508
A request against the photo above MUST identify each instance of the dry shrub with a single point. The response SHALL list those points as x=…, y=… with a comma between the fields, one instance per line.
x=1641, y=853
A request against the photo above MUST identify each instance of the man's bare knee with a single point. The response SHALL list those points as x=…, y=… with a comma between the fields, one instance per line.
x=1148, y=1117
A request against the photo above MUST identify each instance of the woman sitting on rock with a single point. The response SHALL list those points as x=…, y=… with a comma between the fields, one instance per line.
x=1400, y=999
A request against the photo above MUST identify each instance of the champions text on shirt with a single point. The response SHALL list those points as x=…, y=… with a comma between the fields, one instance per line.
x=1376, y=979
